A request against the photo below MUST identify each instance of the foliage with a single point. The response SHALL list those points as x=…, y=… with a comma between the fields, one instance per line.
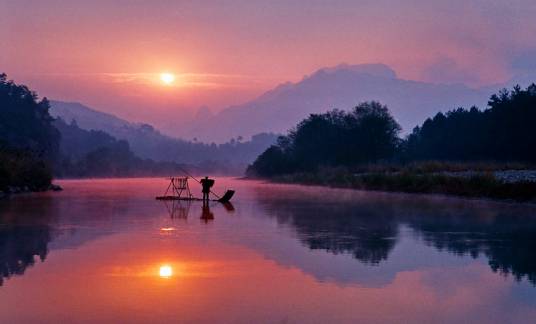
x=25, y=122
x=366, y=134
x=366, y=138
x=503, y=132
x=29, y=141
x=20, y=168
x=478, y=185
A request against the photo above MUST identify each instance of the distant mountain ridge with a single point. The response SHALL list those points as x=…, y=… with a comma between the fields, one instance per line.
x=148, y=143
x=86, y=117
x=277, y=110
x=343, y=86
x=91, y=119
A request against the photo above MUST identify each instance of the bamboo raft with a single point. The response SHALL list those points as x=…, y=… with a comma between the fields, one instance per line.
x=180, y=190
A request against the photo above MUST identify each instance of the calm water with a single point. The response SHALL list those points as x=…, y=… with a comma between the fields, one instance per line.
x=106, y=251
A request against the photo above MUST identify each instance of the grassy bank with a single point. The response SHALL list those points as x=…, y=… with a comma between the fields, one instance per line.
x=478, y=185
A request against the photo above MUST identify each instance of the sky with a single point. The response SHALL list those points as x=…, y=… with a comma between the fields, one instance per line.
x=109, y=54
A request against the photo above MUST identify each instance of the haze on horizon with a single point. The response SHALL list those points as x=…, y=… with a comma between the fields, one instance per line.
x=110, y=55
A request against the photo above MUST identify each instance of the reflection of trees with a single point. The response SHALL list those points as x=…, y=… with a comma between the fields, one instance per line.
x=24, y=235
x=367, y=226
x=506, y=238
x=367, y=237
x=18, y=247
x=365, y=233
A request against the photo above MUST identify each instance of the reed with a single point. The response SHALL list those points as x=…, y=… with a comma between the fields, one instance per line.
x=483, y=185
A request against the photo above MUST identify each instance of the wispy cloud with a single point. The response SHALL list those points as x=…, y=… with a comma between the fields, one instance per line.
x=205, y=80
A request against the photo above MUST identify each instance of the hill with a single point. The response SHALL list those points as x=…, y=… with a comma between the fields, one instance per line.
x=148, y=143
x=29, y=143
x=340, y=87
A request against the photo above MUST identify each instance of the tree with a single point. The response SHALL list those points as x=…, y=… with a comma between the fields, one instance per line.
x=29, y=143
x=25, y=122
x=503, y=132
x=368, y=133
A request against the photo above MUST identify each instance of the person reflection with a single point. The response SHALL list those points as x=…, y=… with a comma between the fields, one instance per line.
x=206, y=214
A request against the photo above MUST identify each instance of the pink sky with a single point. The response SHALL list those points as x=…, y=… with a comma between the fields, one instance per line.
x=108, y=56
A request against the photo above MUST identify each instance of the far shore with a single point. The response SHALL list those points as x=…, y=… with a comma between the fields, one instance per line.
x=509, y=185
x=14, y=190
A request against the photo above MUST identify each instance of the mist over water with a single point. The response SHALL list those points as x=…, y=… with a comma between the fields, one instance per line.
x=107, y=251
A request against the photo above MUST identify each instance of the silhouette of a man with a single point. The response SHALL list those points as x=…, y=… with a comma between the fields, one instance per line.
x=206, y=183
x=206, y=214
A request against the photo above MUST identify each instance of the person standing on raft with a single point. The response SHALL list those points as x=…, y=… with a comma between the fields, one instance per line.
x=206, y=183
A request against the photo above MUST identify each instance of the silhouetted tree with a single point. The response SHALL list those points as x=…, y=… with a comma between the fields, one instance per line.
x=503, y=132
x=368, y=133
x=28, y=140
x=25, y=122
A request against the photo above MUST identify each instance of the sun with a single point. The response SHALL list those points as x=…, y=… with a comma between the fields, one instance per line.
x=167, y=78
x=165, y=271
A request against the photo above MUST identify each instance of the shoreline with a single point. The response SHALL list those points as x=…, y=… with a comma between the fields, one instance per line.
x=483, y=186
x=16, y=190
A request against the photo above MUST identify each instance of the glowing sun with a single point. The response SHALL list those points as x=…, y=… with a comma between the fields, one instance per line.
x=167, y=78
x=166, y=271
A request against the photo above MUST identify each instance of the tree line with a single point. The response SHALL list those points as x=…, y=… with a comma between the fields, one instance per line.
x=28, y=140
x=367, y=134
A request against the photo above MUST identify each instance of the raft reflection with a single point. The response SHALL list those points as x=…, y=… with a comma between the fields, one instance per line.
x=180, y=209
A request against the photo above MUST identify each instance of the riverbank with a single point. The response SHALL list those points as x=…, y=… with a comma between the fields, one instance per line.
x=467, y=184
x=13, y=190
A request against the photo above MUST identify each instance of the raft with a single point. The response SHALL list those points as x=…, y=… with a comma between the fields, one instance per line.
x=223, y=199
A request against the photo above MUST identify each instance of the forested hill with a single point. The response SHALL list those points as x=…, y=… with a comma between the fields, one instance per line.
x=147, y=142
x=29, y=143
x=369, y=134
x=97, y=154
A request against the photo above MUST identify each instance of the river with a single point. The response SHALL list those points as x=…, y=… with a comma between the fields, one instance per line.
x=107, y=251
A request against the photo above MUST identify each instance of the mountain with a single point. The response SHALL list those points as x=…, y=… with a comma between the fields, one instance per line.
x=343, y=86
x=92, y=153
x=88, y=118
x=148, y=143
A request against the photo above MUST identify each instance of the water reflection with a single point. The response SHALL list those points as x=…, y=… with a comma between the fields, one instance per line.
x=507, y=239
x=206, y=214
x=177, y=209
x=368, y=228
x=22, y=238
x=114, y=254
x=181, y=209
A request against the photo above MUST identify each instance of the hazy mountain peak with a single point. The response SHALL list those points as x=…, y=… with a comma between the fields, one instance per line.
x=203, y=112
x=374, y=69
x=85, y=117
x=342, y=86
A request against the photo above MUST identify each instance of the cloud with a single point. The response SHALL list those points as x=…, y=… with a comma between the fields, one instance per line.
x=199, y=80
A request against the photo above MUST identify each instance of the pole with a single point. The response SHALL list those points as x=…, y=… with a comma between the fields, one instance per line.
x=191, y=176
